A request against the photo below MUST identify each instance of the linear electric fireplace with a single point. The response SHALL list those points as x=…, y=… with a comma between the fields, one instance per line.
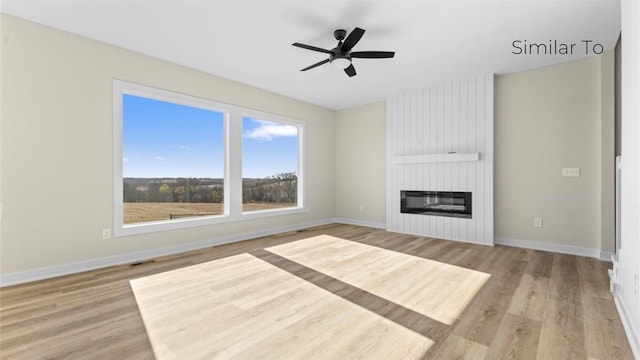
x=439, y=203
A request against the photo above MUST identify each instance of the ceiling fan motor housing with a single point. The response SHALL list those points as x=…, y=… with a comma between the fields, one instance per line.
x=339, y=55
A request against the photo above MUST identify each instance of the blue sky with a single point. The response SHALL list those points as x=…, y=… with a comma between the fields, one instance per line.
x=268, y=148
x=162, y=139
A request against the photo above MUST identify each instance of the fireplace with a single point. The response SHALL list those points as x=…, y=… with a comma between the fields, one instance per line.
x=438, y=203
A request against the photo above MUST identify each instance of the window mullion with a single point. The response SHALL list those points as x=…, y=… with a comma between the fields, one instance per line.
x=234, y=164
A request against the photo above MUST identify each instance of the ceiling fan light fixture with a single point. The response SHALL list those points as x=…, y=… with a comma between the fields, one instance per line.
x=340, y=56
x=341, y=63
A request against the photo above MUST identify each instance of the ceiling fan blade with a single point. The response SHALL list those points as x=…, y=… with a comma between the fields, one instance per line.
x=316, y=65
x=352, y=39
x=372, y=54
x=313, y=48
x=351, y=71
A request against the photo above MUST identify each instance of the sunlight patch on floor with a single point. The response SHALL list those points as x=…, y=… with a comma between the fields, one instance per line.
x=242, y=307
x=431, y=288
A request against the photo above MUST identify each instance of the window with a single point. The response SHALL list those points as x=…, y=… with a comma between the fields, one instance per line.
x=182, y=161
x=269, y=165
x=172, y=160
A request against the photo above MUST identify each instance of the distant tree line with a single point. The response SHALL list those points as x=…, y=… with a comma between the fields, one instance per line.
x=279, y=188
x=194, y=190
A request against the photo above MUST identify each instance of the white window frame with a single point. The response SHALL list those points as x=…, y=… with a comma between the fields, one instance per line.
x=232, y=131
x=300, y=171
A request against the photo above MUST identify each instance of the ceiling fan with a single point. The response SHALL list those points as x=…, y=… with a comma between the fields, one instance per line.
x=341, y=55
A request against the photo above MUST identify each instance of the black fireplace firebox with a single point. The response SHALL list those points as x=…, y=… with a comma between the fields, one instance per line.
x=439, y=203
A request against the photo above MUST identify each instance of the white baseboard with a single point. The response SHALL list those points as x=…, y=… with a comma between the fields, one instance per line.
x=371, y=224
x=633, y=335
x=442, y=238
x=77, y=267
x=81, y=266
x=557, y=248
x=606, y=256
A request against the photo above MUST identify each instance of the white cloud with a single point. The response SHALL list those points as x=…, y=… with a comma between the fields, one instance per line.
x=184, y=147
x=160, y=158
x=124, y=159
x=269, y=130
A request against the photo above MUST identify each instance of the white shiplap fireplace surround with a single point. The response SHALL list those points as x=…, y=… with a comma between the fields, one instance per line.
x=440, y=138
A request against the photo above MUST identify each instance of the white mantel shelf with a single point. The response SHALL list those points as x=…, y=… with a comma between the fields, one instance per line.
x=435, y=158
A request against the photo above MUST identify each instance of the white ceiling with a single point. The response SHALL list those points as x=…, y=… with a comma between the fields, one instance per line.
x=250, y=41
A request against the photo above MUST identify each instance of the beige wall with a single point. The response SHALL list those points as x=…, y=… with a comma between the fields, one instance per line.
x=607, y=153
x=57, y=151
x=547, y=119
x=360, y=164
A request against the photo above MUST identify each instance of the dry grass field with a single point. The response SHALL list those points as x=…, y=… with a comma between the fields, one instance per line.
x=143, y=212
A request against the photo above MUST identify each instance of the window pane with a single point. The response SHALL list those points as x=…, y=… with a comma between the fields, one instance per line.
x=269, y=165
x=173, y=160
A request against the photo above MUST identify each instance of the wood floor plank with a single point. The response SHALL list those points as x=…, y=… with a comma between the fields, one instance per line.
x=602, y=325
x=593, y=277
x=459, y=348
x=604, y=339
x=530, y=297
x=94, y=315
x=517, y=338
x=442, y=293
x=481, y=322
x=599, y=307
x=540, y=264
x=562, y=334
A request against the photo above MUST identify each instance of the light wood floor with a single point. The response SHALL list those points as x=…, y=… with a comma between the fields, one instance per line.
x=535, y=305
x=431, y=288
x=242, y=307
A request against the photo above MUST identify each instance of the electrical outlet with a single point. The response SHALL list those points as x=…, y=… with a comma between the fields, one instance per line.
x=361, y=208
x=106, y=234
x=571, y=172
x=537, y=222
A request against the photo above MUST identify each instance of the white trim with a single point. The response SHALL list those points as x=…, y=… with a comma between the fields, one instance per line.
x=467, y=241
x=606, y=256
x=557, y=248
x=118, y=186
x=365, y=223
x=633, y=335
x=158, y=226
x=301, y=170
x=430, y=158
x=81, y=266
x=488, y=158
